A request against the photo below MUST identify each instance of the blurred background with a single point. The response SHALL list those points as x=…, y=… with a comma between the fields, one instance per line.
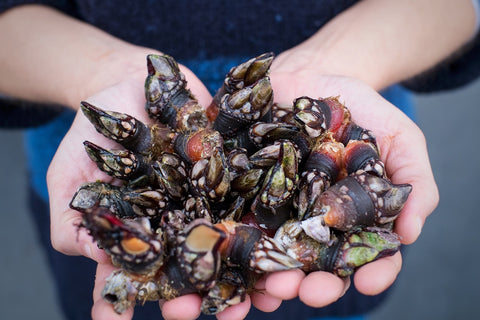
x=439, y=278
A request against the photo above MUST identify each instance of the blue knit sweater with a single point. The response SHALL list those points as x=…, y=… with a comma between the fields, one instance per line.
x=209, y=37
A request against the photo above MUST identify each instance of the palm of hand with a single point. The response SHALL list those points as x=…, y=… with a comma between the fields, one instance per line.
x=402, y=148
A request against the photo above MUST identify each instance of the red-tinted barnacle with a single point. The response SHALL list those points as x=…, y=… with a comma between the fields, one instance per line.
x=340, y=117
x=360, y=156
x=239, y=77
x=131, y=243
x=343, y=128
x=362, y=200
x=197, y=145
x=198, y=253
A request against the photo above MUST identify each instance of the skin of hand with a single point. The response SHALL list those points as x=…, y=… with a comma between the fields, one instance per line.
x=404, y=152
x=71, y=167
x=334, y=42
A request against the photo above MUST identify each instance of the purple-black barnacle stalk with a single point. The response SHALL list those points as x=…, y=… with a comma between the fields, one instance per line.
x=168, y=99
x=362, y=156
x=248, y=247
x=354, y=132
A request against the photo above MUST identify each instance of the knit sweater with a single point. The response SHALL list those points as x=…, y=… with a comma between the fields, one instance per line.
x=199, y=30
x=209, y=36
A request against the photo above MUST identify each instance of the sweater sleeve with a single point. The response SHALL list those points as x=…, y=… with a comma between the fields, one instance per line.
x=16, y=113
x=66, y=6
x=461, y=68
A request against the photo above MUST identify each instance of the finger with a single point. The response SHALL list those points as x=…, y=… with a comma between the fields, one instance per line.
x=66, y=235
x=263, y=300
x=182, y=308
x=320, y=288
x=420, y=204
x=197, y=87
x=102, y=309
x=238, y=311
x=407, y=161
x=376, y=277
x=71, y=240
x=70, y=168
x=285, y=284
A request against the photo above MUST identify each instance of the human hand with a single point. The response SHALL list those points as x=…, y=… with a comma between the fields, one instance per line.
x=403, y=150
x=71, y=167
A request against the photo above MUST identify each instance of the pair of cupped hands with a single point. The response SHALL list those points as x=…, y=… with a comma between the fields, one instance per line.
x=402, y=147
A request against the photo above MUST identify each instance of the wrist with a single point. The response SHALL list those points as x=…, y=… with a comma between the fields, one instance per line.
x=122, y=63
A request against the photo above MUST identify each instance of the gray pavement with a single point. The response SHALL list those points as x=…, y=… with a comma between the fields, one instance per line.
x=439, y=279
